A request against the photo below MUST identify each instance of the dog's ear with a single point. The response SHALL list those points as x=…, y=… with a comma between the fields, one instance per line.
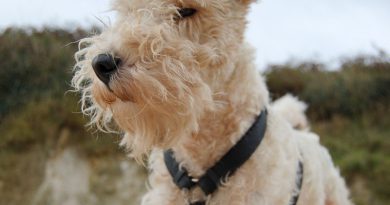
x=247, y=1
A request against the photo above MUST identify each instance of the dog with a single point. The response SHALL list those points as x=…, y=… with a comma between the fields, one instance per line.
x=293, y=110
x=179, y=80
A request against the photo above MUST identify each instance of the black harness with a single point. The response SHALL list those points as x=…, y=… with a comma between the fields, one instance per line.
x=229, y=163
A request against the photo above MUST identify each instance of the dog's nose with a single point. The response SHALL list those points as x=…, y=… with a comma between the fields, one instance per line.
x=104, y=66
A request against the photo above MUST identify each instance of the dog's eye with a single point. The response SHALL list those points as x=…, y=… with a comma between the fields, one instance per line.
x=186, y=12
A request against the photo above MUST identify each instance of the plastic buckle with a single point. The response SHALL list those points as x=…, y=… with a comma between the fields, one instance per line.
x=182, y=180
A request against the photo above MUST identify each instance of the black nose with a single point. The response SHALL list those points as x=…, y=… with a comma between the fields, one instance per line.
x=104, y=66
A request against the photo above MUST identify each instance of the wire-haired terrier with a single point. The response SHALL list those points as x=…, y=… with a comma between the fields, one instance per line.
x=177, y=77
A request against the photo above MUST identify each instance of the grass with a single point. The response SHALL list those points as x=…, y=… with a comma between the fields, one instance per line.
x=361, y=149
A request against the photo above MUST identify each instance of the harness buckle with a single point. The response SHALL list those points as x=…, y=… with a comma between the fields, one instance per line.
x=183, y=180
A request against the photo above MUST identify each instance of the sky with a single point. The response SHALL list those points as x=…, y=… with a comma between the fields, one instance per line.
x=280, y=30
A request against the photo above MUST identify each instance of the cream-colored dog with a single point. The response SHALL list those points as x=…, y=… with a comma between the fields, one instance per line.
x=177, y=74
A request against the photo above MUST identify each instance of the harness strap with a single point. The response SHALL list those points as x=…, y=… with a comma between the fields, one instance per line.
x=199, y=203
x=179, y=174
x=226, y=166
x=299, y=183
x=235, y=157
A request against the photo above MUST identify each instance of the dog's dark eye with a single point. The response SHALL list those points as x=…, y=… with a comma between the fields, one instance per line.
x=186, y=12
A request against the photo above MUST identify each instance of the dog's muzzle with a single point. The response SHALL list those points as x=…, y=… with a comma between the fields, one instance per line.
x=105, y=65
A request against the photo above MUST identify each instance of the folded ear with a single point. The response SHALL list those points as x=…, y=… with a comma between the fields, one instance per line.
x=247, y=1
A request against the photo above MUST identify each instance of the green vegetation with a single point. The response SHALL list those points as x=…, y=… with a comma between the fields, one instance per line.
x=360, y=85
x=36, y=68
x=349, y=108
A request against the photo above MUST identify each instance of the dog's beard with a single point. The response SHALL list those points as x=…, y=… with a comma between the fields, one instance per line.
x=155, y=101
x=155, y=106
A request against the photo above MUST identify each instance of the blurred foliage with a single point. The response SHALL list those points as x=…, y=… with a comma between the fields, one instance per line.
x=35, y=72
x=349, y=108
x=34, y=65
x=361, y=84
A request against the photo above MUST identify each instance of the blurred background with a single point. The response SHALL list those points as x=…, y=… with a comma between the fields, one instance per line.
x=333, y=54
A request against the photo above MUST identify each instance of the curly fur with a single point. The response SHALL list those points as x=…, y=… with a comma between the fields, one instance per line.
x=190, y=85
x=292, y=110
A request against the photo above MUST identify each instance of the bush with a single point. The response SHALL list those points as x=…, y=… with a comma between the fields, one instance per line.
x=360, y=85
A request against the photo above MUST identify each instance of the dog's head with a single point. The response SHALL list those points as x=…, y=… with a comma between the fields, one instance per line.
x=156, y=69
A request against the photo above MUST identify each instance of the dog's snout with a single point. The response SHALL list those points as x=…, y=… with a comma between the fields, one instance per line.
x=104, y=66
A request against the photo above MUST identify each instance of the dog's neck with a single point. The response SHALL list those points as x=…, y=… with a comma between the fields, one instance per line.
x=240, y=98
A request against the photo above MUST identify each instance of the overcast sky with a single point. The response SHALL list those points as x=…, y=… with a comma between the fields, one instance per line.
x=280, y=29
